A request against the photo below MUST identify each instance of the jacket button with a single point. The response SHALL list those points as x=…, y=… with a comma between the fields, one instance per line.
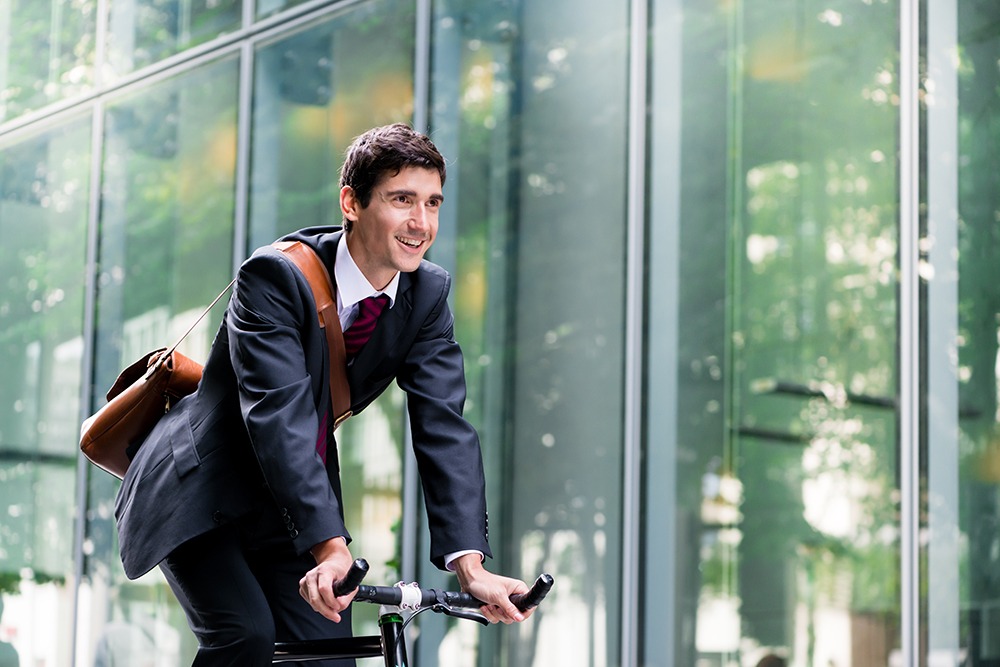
x=217, y=516
x=293, y=533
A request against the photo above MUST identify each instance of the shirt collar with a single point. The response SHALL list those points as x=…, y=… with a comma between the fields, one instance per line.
x=352, y=286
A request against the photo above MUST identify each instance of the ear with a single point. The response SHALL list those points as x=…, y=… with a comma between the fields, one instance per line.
x=349, y=205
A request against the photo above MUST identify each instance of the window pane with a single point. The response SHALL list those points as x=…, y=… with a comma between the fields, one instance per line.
x=46, y=53
x=165, y=252
x=267, y=8
x=772, y=442
x=529, y=103
x=143, y=32
x=961, y=594
x=314, y=91
x=44, y=188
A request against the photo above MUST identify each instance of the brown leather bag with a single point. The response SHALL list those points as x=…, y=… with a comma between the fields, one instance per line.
x=145, y=390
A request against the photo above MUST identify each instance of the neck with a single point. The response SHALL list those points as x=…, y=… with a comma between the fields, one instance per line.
x=377, y=279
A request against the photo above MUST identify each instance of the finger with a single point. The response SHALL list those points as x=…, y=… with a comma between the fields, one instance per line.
x=327, y=610
x=503, y=609
x=306, y=588
x=512, y=612
x=324, y=585
x=505, y=616
x=312, y=594
x=487, y=611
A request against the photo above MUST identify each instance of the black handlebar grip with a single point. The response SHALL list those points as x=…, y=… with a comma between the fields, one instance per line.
x=352, y=579
x=533, y=597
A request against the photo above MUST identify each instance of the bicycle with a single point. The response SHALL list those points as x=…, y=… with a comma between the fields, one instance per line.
x=394, y=600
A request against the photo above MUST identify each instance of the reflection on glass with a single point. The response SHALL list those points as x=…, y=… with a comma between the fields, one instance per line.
x=773, y=390
x=143, y=32
x=43, y=220
x=267, y=8
x=46, y=53
x=529, y=106
x=314, y=91
x=166, y=234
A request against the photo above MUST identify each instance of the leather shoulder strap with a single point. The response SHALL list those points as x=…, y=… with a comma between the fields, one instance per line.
x=318, y=277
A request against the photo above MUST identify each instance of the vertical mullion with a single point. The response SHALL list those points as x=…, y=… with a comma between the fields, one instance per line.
x=89, y=311
x=422, y=67
x=421, y=118
x=87, y=366
x=244, y=124
x=942, y=460
x=909, y=328
x=101, y=42
x=634, y=299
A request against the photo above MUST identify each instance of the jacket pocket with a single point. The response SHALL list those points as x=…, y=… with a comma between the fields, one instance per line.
x=186, y=456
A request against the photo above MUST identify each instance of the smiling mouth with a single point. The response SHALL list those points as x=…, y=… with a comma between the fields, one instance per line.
x=410, y=243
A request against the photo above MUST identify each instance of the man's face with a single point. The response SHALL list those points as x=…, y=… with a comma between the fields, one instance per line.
x=397, y=227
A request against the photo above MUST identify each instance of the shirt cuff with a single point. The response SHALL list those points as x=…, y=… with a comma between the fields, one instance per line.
x=450, y=558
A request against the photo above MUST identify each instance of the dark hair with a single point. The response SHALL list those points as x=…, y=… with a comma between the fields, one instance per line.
x=382, y=151
x=771, y=660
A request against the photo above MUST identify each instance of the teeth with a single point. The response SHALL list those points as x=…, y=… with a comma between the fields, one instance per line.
x=413, y=243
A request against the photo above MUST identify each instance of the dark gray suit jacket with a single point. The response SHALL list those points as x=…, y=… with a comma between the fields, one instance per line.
x=250, y=430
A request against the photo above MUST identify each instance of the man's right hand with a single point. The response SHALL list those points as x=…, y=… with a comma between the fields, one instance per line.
x=333, y=560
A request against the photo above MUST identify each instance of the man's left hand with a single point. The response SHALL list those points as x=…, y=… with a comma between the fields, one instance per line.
x=493, y=589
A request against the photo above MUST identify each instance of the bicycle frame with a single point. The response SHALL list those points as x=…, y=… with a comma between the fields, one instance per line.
x=390, y=644
x=393, y=642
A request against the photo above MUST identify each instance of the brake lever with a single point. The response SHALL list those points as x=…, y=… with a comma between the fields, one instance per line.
x=465, y=614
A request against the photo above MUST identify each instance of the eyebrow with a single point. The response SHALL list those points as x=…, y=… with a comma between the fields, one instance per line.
x=411, y=193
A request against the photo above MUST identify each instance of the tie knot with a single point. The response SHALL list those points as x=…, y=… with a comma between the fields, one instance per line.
x=361, y=330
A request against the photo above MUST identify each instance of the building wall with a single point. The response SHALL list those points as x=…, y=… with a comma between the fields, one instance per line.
x=725, y=277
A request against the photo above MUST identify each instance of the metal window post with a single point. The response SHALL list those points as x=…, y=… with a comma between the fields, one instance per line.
x=909, y=327
x=634, y=299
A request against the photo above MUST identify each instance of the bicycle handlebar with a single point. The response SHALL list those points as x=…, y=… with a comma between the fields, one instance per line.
x=412, y=596
x=353, y=578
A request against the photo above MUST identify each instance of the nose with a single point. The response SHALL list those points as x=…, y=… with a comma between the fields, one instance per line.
x=422, y=215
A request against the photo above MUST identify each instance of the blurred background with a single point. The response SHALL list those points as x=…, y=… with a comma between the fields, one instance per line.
x=726, y=277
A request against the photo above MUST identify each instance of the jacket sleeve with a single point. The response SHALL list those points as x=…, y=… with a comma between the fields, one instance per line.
x=446, y=445
x=277, y=351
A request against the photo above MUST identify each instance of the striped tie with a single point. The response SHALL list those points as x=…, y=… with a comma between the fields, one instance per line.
x=361, y=330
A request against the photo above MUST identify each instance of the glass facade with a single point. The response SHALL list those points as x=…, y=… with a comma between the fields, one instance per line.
x=43, y=240
x=145, y=32
x=725, y=277
x=773, y=255
x=165, y=251
x=47, y=54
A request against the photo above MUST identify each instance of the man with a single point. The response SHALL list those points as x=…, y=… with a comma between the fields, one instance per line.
x=236, y=492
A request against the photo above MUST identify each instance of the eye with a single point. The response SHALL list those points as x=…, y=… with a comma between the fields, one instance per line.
x=434, y=203
x=401, y=200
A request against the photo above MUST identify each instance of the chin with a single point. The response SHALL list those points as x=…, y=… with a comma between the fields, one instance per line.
x=409, y=264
